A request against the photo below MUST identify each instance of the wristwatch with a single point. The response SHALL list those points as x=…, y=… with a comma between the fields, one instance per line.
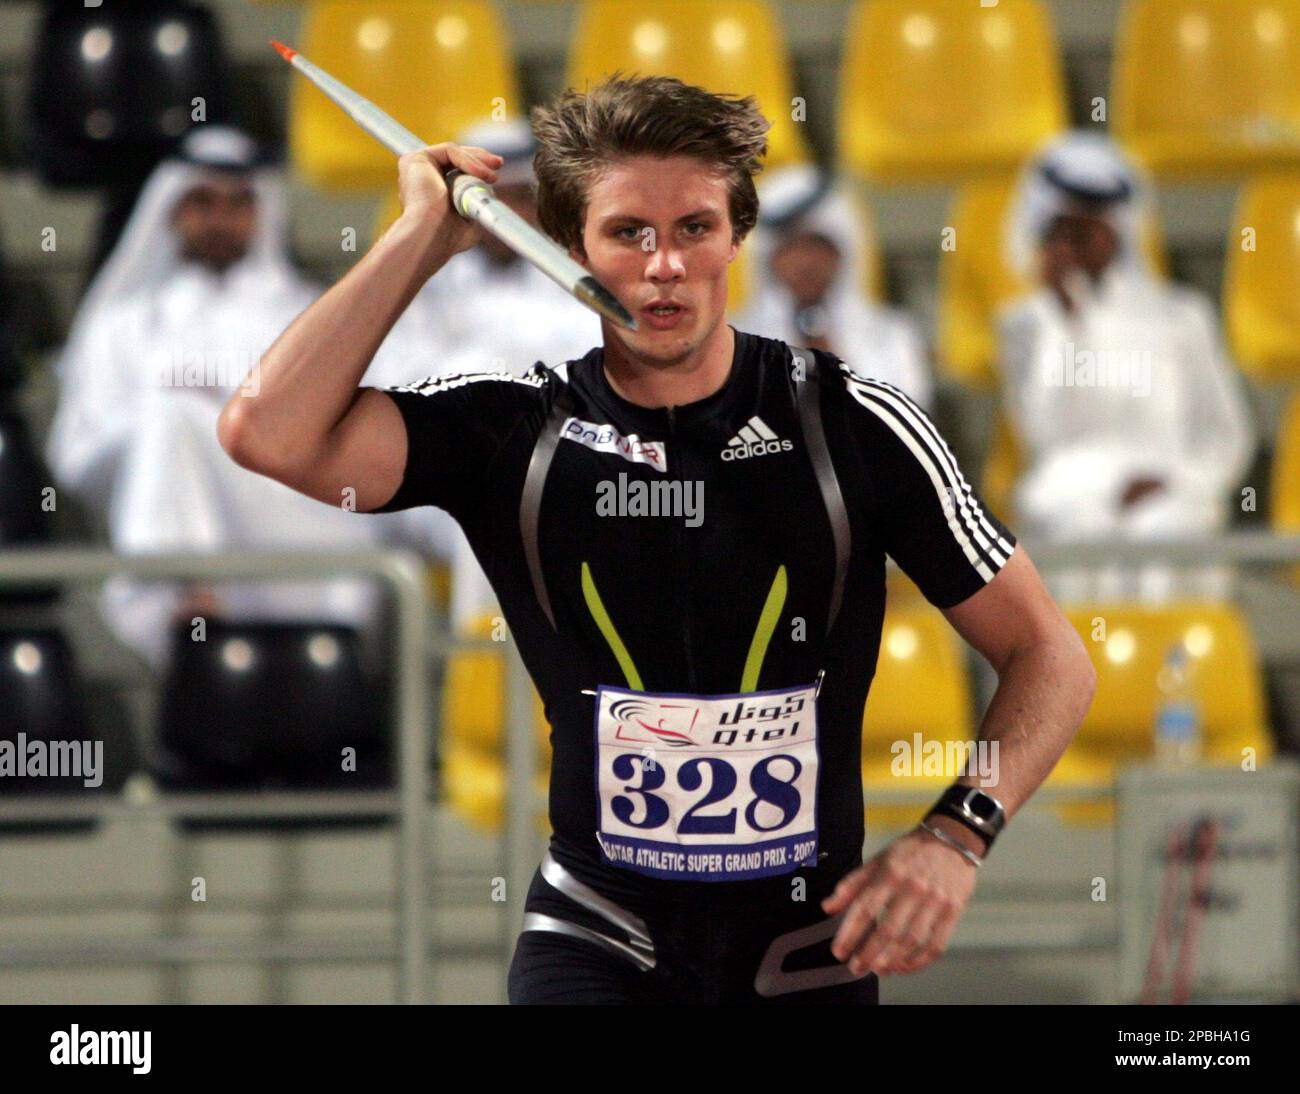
x=981, y=813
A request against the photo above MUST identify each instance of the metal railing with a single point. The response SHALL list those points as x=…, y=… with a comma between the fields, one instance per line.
x=1259, y=548
x=403, y=573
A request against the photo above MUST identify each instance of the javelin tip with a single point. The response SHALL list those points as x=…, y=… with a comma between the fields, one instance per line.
x=284, y=51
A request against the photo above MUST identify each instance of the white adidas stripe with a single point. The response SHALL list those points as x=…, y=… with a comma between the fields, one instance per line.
x=432, y=384
x=894, y=407
x=908, y=409
x=968, y=508
x=760, y=427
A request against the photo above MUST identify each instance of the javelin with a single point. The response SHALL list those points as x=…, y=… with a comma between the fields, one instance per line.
x=471, y=197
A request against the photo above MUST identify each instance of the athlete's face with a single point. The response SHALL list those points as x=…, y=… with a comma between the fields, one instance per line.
x=658, y=230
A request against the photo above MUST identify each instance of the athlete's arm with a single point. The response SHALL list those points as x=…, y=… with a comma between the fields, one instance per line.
x=309, y=425
x=902, y=907
x=918, y=886
x=1045, y=678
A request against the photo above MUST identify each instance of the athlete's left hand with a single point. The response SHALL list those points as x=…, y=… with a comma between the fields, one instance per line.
x=901, y=906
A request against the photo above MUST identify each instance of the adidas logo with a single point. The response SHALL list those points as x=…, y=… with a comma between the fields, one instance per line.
x=754, y=439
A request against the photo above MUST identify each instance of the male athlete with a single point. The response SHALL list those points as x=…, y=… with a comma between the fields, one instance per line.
x=687, y=531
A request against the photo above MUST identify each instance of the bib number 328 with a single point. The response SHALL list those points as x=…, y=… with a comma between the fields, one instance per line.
x=707, y=788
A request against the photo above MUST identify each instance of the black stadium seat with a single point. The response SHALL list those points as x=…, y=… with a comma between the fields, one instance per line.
x=42, y=703
x=271, y=705
x=26, y=519
x=113, y=87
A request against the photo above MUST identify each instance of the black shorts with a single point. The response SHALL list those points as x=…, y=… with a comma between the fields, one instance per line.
x=583, y=944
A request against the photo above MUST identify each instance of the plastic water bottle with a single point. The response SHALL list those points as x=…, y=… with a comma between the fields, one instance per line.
x=1178, y=715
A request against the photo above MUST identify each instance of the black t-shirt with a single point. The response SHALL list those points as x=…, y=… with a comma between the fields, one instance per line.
x=733, y=586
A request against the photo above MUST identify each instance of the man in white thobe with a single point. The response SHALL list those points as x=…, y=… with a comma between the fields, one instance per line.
x=809, y=260
x=198, y=287
x=1133, y=421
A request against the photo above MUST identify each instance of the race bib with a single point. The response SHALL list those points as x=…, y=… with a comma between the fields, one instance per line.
x=707, y=787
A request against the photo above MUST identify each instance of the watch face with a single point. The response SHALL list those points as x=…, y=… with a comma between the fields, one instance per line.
x=982, y=806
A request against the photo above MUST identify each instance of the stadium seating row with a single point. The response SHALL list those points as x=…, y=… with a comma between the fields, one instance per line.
x=278, y=705
x=921, y=687
x=928, y=89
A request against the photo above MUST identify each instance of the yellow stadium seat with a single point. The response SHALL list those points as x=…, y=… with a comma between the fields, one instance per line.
x=1128, y=645
x=1003, y=465
x=920, y=687
x=475, y=784
x=473, y=718
x=901, y=590
x=1209, y=87
x=934, y=90
x=976, y=282
x=438, y=583
x=1262, y=285
x=727, y=46
x=435, y=65
x=1286, y=476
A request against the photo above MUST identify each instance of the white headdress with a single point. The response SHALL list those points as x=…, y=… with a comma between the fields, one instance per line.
x=147, y=253
x=802, y=198
x=1079, y=168
x=513, y=141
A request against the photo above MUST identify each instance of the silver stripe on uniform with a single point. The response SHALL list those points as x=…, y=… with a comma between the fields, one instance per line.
x=641, y=946
x=535, y=921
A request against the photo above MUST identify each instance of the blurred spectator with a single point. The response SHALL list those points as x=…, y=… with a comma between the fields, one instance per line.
x=489, y=310
x=196, y=290
x=809, y=257
x=1132, y=420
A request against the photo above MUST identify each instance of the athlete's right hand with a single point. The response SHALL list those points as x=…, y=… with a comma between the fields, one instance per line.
x=901, y=907
x=425, y=198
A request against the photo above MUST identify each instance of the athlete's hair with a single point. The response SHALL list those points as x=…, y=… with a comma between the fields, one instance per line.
x=583, y=133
